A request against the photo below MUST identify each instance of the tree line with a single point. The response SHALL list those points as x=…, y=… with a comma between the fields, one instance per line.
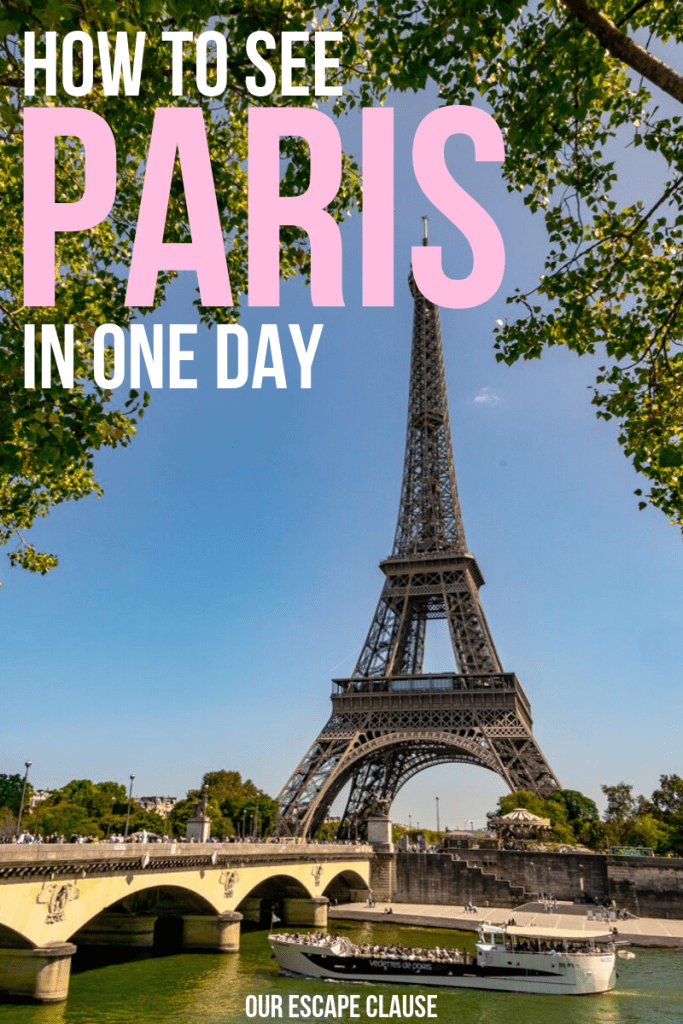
x=655, y=822
x=236, y=807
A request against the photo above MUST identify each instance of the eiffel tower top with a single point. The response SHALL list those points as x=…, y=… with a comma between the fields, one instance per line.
x=429, y=518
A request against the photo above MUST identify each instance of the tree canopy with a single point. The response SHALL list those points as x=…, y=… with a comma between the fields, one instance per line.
x=628, y=820
x=575, y=93
x=554, y=809
x=86, y=808
x=100, y=809
x=235, y=807
x=49, y=436
x=656, y=822
x=11, y=787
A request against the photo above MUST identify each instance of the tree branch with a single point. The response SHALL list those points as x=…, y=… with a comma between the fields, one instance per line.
x=624, y=49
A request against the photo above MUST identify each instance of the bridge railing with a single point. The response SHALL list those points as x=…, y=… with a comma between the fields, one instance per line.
x=19, y=860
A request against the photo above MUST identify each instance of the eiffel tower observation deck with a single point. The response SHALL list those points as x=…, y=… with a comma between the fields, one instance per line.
x=390, y=720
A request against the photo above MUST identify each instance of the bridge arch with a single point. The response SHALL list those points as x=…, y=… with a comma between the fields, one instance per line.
x=11, y=939
x=346, y=887
x=138, y=918
x=268, y=899
x=280, y=885
x=131, y=895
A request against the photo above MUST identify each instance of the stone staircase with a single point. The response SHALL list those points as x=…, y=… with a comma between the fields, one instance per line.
x=490, y=889
x=450, y=879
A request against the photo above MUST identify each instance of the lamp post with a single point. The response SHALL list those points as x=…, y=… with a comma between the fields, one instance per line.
x=130, y=797
x=27, y=765
x=437, y=818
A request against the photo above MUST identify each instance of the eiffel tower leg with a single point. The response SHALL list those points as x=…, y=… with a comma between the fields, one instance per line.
x=523, y=764
x=373, y=788
x=300, y=797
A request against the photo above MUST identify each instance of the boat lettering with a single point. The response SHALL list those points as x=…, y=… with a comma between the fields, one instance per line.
x=402, y=965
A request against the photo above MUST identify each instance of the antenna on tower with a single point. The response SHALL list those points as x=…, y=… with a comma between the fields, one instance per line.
x=425, y=232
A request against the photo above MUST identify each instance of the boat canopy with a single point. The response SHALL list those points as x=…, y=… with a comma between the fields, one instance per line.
x=532, y=931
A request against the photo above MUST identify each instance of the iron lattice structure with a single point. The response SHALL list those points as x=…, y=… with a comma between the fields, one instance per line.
x=390, y=720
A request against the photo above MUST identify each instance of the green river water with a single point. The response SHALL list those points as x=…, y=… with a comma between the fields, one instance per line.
x=212, y=989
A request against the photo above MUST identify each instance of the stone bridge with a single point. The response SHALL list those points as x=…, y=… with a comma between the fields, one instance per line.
x=55, y=899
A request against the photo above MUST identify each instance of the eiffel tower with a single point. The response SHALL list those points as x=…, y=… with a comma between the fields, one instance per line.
x=391, y=720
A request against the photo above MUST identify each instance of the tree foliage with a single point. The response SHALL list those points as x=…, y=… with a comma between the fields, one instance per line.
x=667, y=801
x=656, y=822
x=10, y=792
x=86, y=808
x=621, y=808
x=49, y=436
x=235, y=807
x=580, y=810
x=628, y=820
x=555, y=810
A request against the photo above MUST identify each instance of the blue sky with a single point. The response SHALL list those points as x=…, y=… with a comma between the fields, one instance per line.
x=202, y=606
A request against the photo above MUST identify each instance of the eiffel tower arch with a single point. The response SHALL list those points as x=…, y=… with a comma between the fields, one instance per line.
x=390, y=720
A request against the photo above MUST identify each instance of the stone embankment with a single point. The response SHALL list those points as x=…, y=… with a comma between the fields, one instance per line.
x=645, y=886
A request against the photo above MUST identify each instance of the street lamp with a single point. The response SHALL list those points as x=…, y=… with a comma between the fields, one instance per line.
x=27, y=765
x=437, y=818
x=130, y=797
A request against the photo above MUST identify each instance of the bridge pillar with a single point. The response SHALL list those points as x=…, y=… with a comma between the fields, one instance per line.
x=41, y=974
x=219, y=933
x=380, y=832
x=135, y=930
x=311, y=912
x=382, y=873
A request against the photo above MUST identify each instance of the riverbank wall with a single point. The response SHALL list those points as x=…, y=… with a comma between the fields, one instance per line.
x=645, y=886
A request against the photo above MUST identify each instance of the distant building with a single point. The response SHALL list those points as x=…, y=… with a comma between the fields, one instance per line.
x=162, y=805
x=37, y=797
x=460, y=839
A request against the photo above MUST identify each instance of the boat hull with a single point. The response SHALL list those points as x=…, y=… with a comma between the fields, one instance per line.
x=528, y=973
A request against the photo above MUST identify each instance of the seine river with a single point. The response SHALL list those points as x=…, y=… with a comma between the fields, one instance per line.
x=211, y=989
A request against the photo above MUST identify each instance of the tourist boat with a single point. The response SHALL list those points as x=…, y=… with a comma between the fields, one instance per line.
x=538, y=960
